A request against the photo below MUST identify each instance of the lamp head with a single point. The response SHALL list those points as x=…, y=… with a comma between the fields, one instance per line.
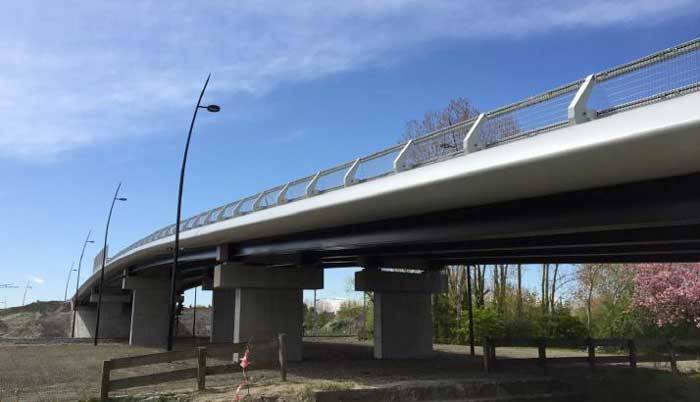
x=213, y=108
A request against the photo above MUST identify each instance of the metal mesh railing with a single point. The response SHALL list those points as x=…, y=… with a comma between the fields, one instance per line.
x=671, y=72
x=440, y=144
x=532, y=116
x=378, y=164
x=332, y=178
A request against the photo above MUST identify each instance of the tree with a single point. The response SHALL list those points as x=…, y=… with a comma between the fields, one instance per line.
x=500, y=287
x=670, y=292
x=457, y=110
x=588, y=276
x=519, y=308
x=479, y=285
x=457, y=286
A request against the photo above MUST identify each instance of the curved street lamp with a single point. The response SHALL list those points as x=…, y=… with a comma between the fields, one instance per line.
x=104, y=261
x=70, y=271
x=77, y=278
x=176, y=251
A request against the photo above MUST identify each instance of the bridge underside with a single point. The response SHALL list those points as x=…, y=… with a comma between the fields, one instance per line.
x=657, y=220
x=651, y=221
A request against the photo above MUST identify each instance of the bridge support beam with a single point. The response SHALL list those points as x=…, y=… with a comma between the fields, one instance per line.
x=223, y=310
x=114, y=320
x=149, y=310
x=403, y=322
x=269, y=301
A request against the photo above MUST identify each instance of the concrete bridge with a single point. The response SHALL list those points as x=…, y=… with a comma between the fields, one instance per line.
x=606, y=168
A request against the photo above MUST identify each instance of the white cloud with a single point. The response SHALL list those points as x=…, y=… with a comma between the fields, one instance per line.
x=36, y=279
x=80, y=73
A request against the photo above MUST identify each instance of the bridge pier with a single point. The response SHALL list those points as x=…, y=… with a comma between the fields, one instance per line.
x=403, y=322
x=262, y=314
x=114, y=320
x=268, y=301
x=149, y=310
x=223, y=310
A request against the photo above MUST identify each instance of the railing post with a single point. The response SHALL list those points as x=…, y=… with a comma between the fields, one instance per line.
x=237, y=208
x=282, y=195
x=402, y=162
x=311, y=187
x=349, y=178
x=201, y=368
x=282, y=353
x=578, y=112
x=258, y=201
x=672, y=358
x=471, y=140
x=591, y=353
x=542, y=354
x=632, y=348
x=104, y=383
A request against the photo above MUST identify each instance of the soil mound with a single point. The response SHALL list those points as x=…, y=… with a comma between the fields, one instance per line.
x=36, y=320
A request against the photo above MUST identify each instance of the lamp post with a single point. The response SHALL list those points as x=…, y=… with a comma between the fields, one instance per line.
x=104, y=261
x=26, y=287
x=194, y=317
x=77, y=278
x=176, y=251
x=70, y=271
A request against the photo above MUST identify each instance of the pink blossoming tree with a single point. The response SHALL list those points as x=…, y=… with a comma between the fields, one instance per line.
x=670, y=292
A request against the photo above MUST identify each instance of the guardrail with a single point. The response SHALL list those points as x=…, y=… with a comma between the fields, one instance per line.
x=225, y=351
x=660, y=76
x=631, y=346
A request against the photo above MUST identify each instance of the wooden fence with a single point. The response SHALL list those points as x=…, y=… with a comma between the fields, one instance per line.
x=223, y=351
x=631, y=346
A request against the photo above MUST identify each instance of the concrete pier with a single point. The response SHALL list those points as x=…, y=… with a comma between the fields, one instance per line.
x=223, y=310
x=403, y=325
x=114, y=320
x=149, y=310
x=403, y=322
x=149, y=317
x=262, y=314
x=269, y=301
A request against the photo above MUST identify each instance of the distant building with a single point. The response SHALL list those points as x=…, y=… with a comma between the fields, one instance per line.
x=329, y=305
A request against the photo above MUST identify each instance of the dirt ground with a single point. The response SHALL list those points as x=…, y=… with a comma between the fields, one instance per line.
x=55, y=372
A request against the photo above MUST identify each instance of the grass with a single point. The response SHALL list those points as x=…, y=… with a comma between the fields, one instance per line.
x=642, y=385
x=307, y=392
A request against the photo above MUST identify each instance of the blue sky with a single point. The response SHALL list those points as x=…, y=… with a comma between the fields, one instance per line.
x=99, y=92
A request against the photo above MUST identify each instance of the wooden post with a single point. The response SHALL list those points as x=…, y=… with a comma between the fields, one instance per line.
x=591, y=353
x=104, y=384
x=672, y=358
x=542, y=354
x=282, y=353
x=201, y=368
x=488, y=355
x=633, y=352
